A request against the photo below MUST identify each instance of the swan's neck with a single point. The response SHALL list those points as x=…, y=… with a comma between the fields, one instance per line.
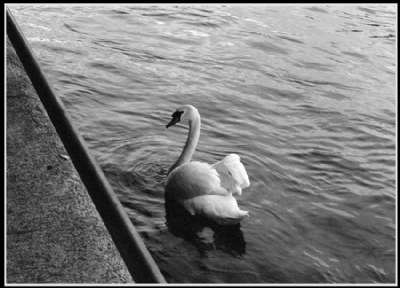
x=191, y=142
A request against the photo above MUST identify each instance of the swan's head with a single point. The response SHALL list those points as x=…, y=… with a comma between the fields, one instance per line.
x=184, y=113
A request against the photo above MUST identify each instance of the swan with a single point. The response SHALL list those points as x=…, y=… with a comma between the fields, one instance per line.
x=204, y=189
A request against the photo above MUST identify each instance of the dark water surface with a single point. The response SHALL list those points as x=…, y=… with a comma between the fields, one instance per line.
x=305, y=94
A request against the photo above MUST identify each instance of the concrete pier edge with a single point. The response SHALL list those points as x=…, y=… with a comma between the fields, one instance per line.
x=137, y=258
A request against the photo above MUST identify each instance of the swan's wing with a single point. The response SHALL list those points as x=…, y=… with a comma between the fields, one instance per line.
x=232, y=174
x=193, y=179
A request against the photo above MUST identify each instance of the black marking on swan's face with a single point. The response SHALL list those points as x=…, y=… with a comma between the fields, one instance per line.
x=176, y=117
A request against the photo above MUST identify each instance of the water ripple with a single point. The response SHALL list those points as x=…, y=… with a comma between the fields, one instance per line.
x=304, y=94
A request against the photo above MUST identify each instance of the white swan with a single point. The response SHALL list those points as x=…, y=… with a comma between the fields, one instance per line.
x=201, y=188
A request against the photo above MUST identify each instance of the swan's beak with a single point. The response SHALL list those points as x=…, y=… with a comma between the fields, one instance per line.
x=176, y=117
x=172, y=122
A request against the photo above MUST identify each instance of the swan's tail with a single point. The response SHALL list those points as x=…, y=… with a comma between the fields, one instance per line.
x=222, y=209
x=233, y=220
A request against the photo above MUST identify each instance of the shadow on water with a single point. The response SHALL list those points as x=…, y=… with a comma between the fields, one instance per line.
x=228, y=238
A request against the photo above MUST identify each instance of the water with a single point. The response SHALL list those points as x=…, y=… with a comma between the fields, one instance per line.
x=305, y=94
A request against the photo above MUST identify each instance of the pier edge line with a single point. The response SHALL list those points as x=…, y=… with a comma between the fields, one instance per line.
x=135, y=254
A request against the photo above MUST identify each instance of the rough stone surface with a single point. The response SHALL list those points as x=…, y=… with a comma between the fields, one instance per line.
x=54, y=232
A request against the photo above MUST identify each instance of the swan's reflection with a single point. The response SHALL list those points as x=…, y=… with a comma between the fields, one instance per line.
x=197, y=230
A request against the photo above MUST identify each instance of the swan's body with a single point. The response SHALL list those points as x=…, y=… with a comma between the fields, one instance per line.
x=201, y=188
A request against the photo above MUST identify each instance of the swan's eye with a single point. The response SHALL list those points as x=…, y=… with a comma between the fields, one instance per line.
x=177, y=114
